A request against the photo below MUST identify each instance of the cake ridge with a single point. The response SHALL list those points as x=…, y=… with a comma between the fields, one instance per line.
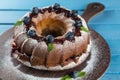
x=52, y=37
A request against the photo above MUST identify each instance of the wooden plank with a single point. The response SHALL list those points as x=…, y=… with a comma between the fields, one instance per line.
x=110, y=77
x=10, y=17
x=107, y=17
x=108, y=31
x=115, y=60
x=113, y=69
x=22, y=4
x=115, y=47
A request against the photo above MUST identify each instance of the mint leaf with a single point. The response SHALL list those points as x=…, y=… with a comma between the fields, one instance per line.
x=66, y=77
x=84, y=29
x=18, y=23
x=50, y=47
x=81, y=74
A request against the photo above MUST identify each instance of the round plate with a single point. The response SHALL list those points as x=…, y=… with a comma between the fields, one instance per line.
x=94, y=66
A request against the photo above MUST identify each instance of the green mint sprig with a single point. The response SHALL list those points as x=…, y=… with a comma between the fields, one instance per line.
x=66, y=77
x=81, y=74
x=50, y=47
x=18, y=23
x=84, y=29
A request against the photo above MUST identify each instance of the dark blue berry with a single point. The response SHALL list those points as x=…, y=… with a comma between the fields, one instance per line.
x=74, y=13
x=50, y=39
x=74, y=74
x=56, y=6
x=26, y=20
x=31, y=33
x=35, y=10
x=78, y=24
x=69, y=36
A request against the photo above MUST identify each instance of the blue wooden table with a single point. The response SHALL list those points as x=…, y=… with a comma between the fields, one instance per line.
x=107, y=23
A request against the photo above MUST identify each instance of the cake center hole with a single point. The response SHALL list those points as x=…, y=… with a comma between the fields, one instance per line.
x=51, y=27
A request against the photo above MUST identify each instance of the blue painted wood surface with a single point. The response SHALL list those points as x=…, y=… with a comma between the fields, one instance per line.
x=107, y=23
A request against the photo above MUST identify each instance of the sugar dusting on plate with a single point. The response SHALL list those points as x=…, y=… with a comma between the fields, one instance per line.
x=8, y=65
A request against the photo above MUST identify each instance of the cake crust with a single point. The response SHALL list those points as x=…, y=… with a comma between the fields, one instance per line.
x=33, y=49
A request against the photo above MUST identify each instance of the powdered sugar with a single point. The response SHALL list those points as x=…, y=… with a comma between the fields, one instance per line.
x=8, y=66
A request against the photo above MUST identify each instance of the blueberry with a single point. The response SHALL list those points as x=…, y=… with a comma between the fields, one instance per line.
x=74, y=74
x=26, y=20
x=74, y=13
x=56, y=6
x=69, y=36
x=31, y=33
x=50, y=39
x=35, y=10
x=78, y=24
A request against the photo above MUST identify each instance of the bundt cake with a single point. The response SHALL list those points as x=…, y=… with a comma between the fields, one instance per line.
x=51, y=38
